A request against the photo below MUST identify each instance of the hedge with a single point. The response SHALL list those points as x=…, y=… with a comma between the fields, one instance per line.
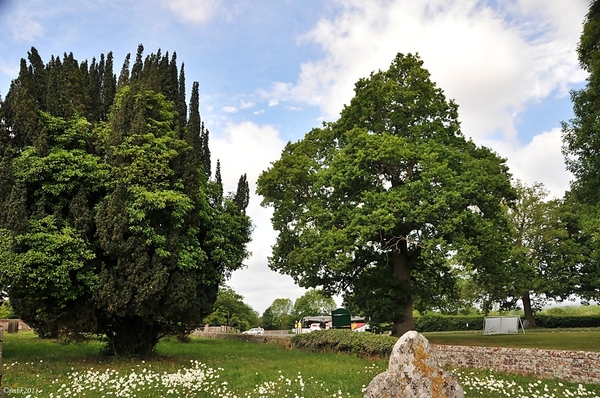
x=441, y=323
x=346, y=341
x=444, y=323
x=567, y=321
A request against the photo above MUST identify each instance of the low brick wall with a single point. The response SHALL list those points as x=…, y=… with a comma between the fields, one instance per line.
x=22, y=325
x=575, y=366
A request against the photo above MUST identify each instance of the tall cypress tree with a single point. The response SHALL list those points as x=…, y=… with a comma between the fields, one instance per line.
x=138, y=65
x=92, y=81
x=108, y=87
x=180, y=105
x=20, y=108
x=124, y=74
x=38, y=75
x=204, y=136
x=219, y=184
x=242, y=194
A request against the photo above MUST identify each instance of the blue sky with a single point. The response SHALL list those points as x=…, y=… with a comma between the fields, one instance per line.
x=271, y=70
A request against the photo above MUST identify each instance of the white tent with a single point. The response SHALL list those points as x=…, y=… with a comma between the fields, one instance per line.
x=502, y=324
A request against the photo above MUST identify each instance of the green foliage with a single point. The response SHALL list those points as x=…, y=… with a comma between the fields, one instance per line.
x=566, y=321
x=433, y=322
x=345, y=341
x=579, y=310
x=580, y=135
x=581, y=143
x=549, y=252
x=230, y=310
x=314, y=302
x=374, y=205
x=6, y=311
x=110, y=223
x=278, y=316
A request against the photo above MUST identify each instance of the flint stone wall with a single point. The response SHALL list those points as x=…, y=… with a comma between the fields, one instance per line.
x=575, y=366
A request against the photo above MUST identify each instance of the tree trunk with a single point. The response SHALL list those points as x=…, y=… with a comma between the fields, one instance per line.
x=527, y=309
x=403, y=318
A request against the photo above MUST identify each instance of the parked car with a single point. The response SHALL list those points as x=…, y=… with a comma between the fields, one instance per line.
x=315, y=326
x=255, y=331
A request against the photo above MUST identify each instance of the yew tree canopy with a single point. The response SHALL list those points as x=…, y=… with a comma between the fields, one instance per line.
x=110, y=222
x=374, y=205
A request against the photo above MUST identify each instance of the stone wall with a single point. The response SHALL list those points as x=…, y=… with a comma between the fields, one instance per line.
x=215, y=329
x=575, y=366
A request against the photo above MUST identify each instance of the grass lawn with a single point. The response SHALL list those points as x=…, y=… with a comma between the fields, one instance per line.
x=551, y=339
x=223, y=368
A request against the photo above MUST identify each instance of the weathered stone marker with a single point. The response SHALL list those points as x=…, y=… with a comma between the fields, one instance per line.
x=413, y=372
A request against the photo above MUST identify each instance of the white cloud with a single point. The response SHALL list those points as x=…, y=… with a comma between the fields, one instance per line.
x=9, y=70
x=194, y=11
x=540, y=160
x=250, y=148
x=24, y=28
x=229, y=109
x=246, y=104
x=493, y=62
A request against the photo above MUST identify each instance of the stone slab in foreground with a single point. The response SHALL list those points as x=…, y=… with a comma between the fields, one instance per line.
x=413, y=372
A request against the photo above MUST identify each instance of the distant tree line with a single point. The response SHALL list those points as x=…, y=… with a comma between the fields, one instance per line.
x=283, y=313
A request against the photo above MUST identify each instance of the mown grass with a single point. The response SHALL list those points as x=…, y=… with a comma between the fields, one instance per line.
x=550, y=339
x=228, y=368
x=45, y=365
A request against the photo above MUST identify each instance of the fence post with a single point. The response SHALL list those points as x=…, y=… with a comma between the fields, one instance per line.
x=13, y=326
x=1, y=342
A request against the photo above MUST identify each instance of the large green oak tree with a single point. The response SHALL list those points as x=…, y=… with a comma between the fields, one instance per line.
x=374, y=205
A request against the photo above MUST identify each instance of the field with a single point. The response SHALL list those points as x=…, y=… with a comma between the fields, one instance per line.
x=224, y=368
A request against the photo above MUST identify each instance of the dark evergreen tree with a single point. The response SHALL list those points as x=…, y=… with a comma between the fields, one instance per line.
x=110, y=225
x=92, y=80
x=108, y=87
x=205, y=150
x=20, y=108
x=124, y=74
x=242, y=194
x=180, y=105
x=38, y=74
x=136, y=70
x=218, y=183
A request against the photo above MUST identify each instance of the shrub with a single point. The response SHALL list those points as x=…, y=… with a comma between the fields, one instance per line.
x=346, y=341
x=6, y=311
x=433, y=322
x=567, y=321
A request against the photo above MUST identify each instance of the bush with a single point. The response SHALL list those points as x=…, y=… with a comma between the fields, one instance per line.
x=567, y=321
x=346, y=341
x=439, y=323
x=6, y=311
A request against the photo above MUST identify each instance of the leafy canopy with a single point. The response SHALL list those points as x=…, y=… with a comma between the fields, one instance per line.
x=372, y=206
x=581, y=147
